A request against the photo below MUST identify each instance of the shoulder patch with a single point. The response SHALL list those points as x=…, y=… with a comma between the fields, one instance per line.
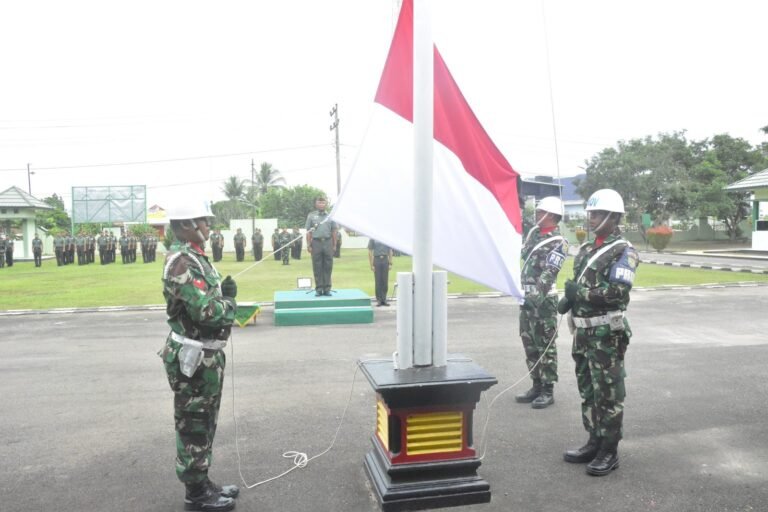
x=623, y=271
x=556, y=257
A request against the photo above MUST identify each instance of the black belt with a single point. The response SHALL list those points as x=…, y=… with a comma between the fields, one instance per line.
x=382, y=256
x=325, y=238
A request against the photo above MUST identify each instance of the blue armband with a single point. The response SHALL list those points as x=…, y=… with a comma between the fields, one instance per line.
x=623, y=271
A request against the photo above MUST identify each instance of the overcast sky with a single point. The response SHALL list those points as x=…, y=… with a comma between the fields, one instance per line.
x=199, y=89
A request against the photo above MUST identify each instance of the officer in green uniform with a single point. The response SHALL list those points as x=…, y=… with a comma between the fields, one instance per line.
x=58, y=249
x=201, y=310
x=217, y=244
x=37, y=250
x=257, y=245
x=125, y=251
x=240, y=245
x=80, y=246
x=296, y=246
x=91, y=248
x=9, y=250
x=285, y=240
x=70, y=248
x=275, y=245
x=544, y=252
x=380, y=259
x=2, y=250
x=321, y=244
x=597, y=298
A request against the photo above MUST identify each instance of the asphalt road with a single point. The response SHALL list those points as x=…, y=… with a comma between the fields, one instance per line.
x=737, y=261
x=86, y=421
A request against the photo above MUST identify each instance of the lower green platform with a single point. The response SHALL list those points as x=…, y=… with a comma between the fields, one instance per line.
x=302, y=307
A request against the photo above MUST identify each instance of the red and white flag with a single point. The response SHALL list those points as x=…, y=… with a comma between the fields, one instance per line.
x=477, y=222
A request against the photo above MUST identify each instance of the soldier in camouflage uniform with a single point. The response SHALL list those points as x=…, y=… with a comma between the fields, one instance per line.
x=201, y=310
x=285, y=240
x=597, y=297
x=543, y=253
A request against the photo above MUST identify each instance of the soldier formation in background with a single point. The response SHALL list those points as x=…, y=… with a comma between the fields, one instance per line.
x=148, y=247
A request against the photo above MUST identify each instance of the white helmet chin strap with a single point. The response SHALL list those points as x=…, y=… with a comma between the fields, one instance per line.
x=602, y=223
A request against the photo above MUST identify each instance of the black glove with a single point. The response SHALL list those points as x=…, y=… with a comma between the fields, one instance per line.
x=564, y=306
x=229, y=287
x=571, y=290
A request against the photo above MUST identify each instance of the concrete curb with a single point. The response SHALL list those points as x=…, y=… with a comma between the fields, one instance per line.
x=705, y=267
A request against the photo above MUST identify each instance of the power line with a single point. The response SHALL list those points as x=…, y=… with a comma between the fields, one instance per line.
x=167, y=160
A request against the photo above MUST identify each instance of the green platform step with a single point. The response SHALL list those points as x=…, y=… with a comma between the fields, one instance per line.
x=344, y=306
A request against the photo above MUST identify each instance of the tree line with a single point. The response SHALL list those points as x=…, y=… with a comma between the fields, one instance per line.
x=268, y=198
x=670, y=176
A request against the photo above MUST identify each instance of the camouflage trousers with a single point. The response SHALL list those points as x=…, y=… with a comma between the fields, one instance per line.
x=599, y=356
x=537, y=329
x=196, y=410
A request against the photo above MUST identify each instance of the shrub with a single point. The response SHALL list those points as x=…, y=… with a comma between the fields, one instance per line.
x=659, y=237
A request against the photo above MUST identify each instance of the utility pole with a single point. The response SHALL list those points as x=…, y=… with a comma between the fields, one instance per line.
x=253, y=200
x=29, y=179
x=335, y=126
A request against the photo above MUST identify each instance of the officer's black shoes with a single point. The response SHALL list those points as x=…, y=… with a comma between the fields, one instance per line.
x=530, y=395
x=319, y=293
x=584, y=454
x=607, y=460
x=228, y=491
x=327, y=293
x=545, y=399
x=202, y=497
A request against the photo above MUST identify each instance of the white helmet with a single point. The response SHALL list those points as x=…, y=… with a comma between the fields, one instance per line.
x=192, y=210
x=551, y=204
x=607, y=200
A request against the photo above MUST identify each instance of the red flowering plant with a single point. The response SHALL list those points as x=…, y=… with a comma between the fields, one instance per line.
x=659, y=237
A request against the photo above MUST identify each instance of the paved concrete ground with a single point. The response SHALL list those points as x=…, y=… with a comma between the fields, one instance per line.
x=86, y=421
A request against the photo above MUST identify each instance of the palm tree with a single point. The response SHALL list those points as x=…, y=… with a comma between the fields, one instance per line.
x=234, y=188
x=268, y=178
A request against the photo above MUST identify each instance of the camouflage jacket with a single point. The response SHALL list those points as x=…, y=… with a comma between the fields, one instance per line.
x=608, y=279
x=542, y=263
x=195, y=306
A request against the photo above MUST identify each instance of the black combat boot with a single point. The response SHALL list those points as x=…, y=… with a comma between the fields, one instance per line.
x=545, y=398
x=606, y=460
x=228, y=491
x=530, y=395
x=584, y=454
x=201, y=497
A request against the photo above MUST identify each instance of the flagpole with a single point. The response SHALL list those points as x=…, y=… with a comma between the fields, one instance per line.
x=423, y=118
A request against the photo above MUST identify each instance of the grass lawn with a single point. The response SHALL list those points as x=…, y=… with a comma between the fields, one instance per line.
x=25, y=287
